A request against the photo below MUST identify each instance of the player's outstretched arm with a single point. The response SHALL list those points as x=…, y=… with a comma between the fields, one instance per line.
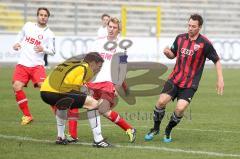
x=220, y=81
x=167, y=52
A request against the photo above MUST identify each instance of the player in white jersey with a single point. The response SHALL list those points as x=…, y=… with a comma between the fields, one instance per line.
x=105, y=84
x=98, y=45
x=72, y=124
x=33, y=41
x=102, y=31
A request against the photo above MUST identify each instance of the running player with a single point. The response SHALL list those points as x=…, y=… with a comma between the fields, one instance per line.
x=33, y=42
x=191, y=50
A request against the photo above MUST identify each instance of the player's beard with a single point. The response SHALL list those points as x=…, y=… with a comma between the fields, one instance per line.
x=192, y=34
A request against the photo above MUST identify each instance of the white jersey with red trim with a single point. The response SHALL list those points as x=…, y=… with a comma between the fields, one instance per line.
x=32, y=35
x=112, y=66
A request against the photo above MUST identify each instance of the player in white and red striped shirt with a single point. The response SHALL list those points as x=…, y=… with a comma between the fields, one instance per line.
x=33, y=41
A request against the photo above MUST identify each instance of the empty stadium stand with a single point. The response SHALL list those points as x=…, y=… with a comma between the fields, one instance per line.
x=82, y=17
x=10, y=20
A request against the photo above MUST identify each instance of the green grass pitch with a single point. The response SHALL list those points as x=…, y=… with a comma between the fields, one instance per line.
x=210, y=130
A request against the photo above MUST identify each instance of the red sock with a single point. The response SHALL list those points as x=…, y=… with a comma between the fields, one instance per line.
x=72, y=123
x=22, y=102
x=115, y=117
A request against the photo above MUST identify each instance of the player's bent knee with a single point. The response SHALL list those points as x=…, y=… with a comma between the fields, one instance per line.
x=90, y=103
x=104, y=107
x=181, y=105
x=17, y=86
x=163, y=100
x=161, y=103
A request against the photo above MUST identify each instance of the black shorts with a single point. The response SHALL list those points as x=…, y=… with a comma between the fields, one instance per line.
x=176, y=92
x=77, y=100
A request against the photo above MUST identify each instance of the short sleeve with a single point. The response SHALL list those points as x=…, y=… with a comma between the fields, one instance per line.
x=211, y=53
x=174, y=46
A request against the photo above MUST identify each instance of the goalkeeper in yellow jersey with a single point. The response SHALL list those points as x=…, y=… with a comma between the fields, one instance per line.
x=62, y=90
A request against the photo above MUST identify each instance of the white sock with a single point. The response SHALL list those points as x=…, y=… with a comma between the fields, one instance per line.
x=61, y=116
x=95, y=124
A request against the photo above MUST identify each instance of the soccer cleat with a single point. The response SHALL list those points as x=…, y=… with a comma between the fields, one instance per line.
x=26, y=120
x=131, y=134
x=149, y=136
x=102, y=144
x=70, y=139
x=61, y=141
x=167, y=139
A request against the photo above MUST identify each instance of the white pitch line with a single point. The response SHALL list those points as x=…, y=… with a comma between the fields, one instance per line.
x=182, y=151
x=183, y=129
x=208, y=153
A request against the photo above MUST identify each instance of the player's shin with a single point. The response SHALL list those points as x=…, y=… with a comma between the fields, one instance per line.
x=158, y=115
x=95, y=124
x=174, y=120
x=73, y=116
x=61, y=116
x=117, y=119
x=22, y=102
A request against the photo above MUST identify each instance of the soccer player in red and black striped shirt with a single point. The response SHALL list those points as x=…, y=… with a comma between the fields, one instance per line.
x=191, y=50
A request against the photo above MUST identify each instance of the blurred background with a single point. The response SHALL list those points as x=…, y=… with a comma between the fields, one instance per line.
x=210, y=127
x=145, y=20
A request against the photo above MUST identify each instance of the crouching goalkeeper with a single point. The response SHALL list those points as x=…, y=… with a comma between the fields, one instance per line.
x=61, y=89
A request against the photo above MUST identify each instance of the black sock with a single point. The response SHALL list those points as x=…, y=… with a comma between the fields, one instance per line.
x=174, y=120
x=158, y=116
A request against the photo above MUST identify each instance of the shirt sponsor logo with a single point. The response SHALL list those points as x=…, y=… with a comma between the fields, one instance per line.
x=33, y=41
x=106, y=56
x=187, y=52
